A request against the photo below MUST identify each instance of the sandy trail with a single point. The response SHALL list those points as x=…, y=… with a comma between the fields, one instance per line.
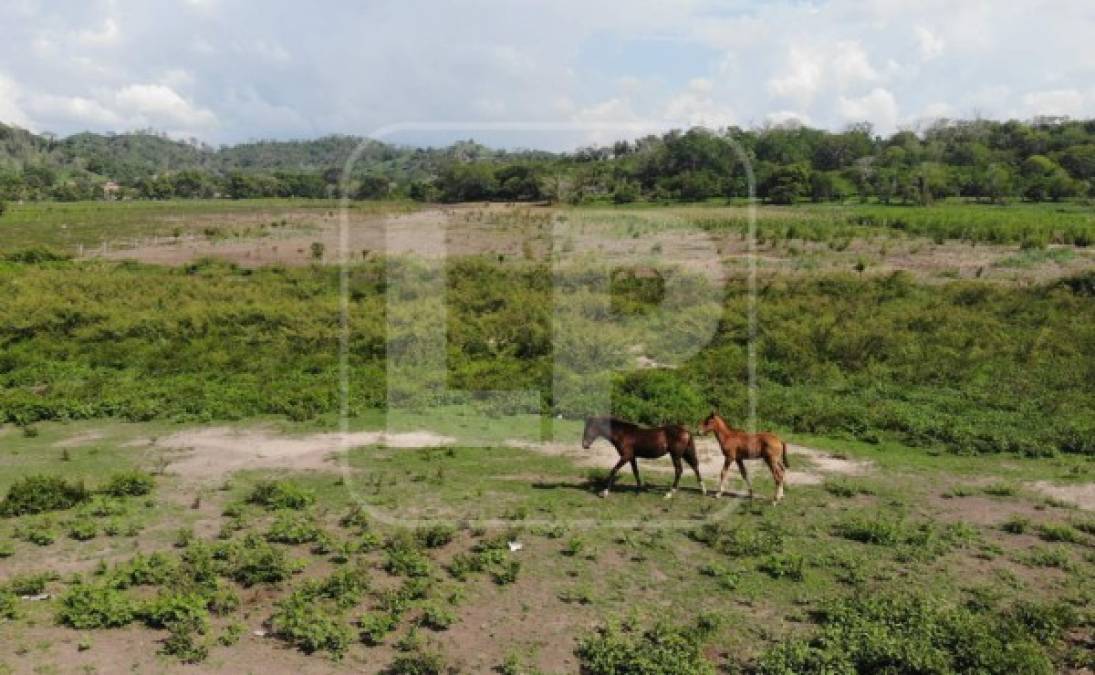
x=1082, y=495
x=213, y=452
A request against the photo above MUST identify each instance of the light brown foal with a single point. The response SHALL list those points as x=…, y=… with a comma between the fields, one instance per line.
x=738, y=446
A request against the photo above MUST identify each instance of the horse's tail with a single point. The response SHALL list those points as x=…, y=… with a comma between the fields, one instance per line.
x=786, y=464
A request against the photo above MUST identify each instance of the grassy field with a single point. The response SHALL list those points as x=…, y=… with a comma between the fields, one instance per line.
x=176, y=486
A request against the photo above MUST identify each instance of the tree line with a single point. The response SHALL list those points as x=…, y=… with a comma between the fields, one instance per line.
x=1047, y=159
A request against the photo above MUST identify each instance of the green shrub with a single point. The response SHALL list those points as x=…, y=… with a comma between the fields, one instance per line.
x=740, y=541
x=905, y=633
x=129, y=484
x=7, y=549
x=280, y=495
x=435, y=536
x=254, y=561
x=171, y=610
x=661, y=650
x=726, y=578
x=290, y=527
x=345, y=586
x=436, y=617
x=784, y=565
x=38, y=532
x=404, y=557
x=846, y=488
x=230, y=634
x=36, y=494
x=9, y=605
x=1015, y=525
x=36, y=254
x=154, y=569
x=184, y=644
x=1044, y=556
x=29, y=584
x=309, y=626
x=1059, y=532
x=418, y=662
x=83, y=529
x=86, y=606
x=376, y=625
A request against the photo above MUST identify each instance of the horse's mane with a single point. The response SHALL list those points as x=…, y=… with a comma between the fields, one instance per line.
x=615, y=422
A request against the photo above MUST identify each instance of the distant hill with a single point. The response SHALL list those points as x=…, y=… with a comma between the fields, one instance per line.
x=1046, y=159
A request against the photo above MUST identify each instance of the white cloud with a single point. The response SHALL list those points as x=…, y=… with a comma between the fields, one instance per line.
x=84, y=112
x=108, y=34
x=10, y=112
x=696, y=106
x=782, y=118
x=851, y=65
x=931, y=45
x=1055, y=102
x=160, y=106
x=879, y=107
x=801, y=79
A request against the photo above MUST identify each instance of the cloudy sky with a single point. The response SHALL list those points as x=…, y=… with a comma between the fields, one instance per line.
x=232, y=70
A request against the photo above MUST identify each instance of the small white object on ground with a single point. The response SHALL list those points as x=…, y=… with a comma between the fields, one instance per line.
x=516, y=546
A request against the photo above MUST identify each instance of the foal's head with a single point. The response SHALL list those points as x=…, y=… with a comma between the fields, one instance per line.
x=708, y=425
x=595, y=426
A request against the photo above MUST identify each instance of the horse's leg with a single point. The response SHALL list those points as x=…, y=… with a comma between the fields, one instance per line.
x=745, y=476
x=612, y=476
x=777, y=475
x=722, y=477
x=677, y=469
x=635, y=470
x=694, y=462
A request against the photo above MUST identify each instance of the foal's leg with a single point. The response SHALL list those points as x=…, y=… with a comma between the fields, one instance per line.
x=677, y=469
x=635, y=470
x=777, y=476
x=612, y=476
x=722, y=477
x=745, y=476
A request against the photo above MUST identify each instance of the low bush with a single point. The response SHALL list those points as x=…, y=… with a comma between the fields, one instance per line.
x=254, y=561
x=176, y=610
x=29, y=584
x=83, y=529
x=86, y=606
x=740, y=541
x=37, y=494
x=154, y=569
x=1015, y=525
x=184, y=643
x=132, y=483
x=435, y=536
x=376, y=625
x=905, y=633
x=9, y=605
x=281, y=495
x=436, y=617
x=418, y=662
x=291, y=527
x=661, y=650
x=784, y=566
x=1059, y=532
x=310, y=626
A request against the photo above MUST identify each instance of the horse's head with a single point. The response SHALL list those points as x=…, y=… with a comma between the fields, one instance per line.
x=708, y=425
x=594, y=428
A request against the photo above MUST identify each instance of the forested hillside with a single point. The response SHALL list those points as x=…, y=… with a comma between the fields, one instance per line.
x=1043, y=160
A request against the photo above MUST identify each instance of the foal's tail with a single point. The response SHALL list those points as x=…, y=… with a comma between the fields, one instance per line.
x=786, y=464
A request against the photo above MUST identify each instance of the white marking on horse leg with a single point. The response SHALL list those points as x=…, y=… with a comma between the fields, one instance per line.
x=779, y=491
x=669, y=495
x=604, y=493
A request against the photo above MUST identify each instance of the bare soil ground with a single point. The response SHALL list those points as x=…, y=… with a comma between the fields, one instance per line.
x=535, y=233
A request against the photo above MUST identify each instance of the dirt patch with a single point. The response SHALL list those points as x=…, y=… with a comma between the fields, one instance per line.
x=829, y=463
x=1082, y=495
x=217, y=451
x=79, y=439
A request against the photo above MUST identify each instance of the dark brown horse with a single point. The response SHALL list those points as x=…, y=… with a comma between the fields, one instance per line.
x=633, y=442
x=738, y=446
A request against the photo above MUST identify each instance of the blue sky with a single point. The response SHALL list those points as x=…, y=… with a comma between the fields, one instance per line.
x=225, y=71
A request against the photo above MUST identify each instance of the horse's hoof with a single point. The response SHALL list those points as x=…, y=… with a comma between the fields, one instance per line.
x=669, y=495
x=603, y=494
